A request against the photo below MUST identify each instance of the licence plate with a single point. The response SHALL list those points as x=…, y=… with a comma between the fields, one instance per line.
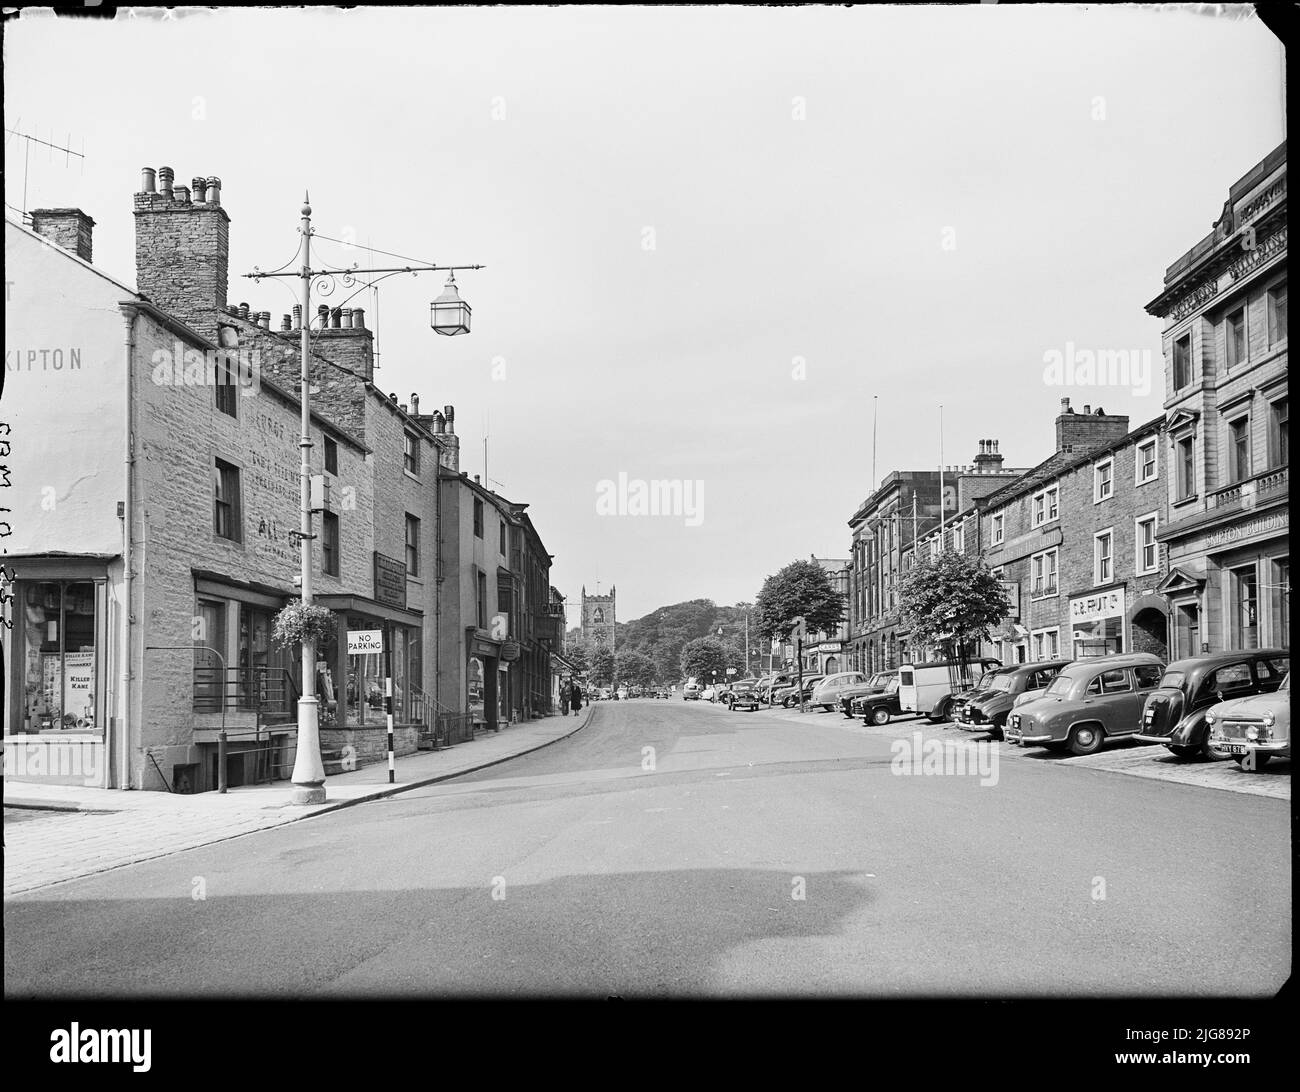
x=1235, y=748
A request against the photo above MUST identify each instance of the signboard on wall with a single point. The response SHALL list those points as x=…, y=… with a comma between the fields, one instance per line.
x=1094, y=608
x=390, y=581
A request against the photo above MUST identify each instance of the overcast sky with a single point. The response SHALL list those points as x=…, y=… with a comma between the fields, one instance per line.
x=711, y=235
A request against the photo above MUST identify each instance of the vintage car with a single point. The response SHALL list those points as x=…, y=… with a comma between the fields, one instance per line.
x=877, y=708
x=1175, y=713
x=742, y=695
x=1253, y=730
x=987, y=710
x=958, y=701
x=826, y=694
x=873, y=685
x=1090, y=701
x=691, y=691
x=789, y=696
x=773, y=683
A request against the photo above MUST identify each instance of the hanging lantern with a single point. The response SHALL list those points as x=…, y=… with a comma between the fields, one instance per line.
x=449, y=314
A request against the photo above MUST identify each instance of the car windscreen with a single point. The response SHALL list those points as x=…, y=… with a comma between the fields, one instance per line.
x=1001, y=684
x=1058, y=687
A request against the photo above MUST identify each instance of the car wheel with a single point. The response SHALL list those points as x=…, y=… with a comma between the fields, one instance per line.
x=879, y=716
x=1086, y=739
x=1180, y=751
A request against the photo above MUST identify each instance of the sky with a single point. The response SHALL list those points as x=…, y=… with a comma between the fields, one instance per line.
x=713, y=238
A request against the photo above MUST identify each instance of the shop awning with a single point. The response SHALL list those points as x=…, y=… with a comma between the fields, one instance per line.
x=359, y=604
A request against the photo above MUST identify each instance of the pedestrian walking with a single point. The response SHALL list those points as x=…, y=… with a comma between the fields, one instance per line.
x=575, y=693
x=565, y=697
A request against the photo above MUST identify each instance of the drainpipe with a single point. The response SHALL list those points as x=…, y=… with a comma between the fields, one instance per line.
x=129, y=315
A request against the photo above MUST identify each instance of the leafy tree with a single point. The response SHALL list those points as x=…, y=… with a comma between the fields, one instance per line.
x=801, y=589
x=634, y=668
x=601, y=670
x=951, y=602
x=703, y=656
x=577, y=651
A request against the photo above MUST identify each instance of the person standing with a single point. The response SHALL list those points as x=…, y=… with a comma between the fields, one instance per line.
x=575, y=694
x=564, y=697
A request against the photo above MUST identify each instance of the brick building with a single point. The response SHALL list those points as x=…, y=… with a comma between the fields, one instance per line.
x=1073, y=541
x=1224, y=304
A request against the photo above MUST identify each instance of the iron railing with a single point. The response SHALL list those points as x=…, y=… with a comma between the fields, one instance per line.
x=268, y=693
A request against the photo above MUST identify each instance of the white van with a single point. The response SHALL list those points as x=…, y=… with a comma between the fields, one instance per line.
x=928, y=688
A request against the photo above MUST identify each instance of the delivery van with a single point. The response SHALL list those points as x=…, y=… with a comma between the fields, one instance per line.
x=928, y=688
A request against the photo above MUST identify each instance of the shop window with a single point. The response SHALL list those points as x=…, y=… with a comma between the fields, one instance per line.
x=1245, y=595
x=58, y=631
x=226, y=522
x=1182, y=362
x=262, y=664
x=210, y=678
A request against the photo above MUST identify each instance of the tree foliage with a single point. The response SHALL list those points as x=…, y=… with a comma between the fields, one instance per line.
x=632, y=668
x=705, y=655
x=951, y=602
x=802, y=589
x=601, y=670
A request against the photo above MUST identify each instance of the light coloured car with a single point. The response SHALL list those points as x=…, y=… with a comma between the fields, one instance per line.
x=709, y=693
x=826, y=694
x=622, y=693
x=1255, y=729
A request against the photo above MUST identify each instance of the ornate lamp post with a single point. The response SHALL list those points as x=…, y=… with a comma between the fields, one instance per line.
x=449, y=314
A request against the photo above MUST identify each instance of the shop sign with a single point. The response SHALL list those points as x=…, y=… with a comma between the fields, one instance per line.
x=1274, y=521
x=390, y=581
x=1093, y=608
x=364, y=641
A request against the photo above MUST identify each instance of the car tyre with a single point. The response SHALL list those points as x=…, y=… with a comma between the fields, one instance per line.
x=1086, y=739
x=878, y=716
x=1181, y=751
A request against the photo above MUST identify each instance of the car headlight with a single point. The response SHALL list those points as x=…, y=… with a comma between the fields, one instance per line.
x=1210, y=718
x=1269, y=720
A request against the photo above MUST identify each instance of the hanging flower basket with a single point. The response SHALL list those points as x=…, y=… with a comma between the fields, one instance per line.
x=299, y=622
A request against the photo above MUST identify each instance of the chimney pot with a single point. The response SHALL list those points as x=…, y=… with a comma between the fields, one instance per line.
x=1101, y=412
x=347, y=318
x=393, y=397
x=165, y=177
x=415, y=403
x=1065, y=405
x=286, y=323
x=297, y=316
x=358, y=318
x=1087, y=409
x=199, y=187
x=243, y=310
x=148, y=177
x=214, y=191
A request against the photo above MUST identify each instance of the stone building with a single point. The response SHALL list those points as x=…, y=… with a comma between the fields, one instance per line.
x=157, y=506
x=1224, y=304
x=599, y=616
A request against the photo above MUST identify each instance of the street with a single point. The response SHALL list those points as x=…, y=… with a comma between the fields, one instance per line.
x=678, y=849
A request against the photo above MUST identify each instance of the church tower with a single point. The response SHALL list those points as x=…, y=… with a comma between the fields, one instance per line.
x=598, y=616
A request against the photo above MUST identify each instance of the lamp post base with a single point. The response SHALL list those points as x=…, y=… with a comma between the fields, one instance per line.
x=303, y=795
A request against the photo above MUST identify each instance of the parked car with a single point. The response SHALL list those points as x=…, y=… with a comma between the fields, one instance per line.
x=873, y=685
x=789, y=696
x=962, y=698
x=1090, y=701
x=928, y=688
x=776, y=682
x=1175, y=714
x=743, y=695
x=826, y=694
x=878, y=707
x=691, y=691
x=709, y=693
x=987, y=711
x=1255, y=729
x=622, y=693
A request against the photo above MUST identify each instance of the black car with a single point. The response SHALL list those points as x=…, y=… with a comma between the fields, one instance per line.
x=873, y=685
x=987, y=711
x=742, y=695
x=878, y=708
x=1174, y=713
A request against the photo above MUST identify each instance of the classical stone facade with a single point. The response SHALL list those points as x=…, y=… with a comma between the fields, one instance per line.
x=1227, y=423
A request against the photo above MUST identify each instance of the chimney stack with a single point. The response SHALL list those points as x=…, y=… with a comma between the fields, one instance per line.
x=988, y=461
x=182, y=247
x=70, y=229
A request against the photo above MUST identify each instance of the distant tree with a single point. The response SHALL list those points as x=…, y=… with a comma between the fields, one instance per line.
x=951, y=602
x=633, y=668
x=577, y=651
x=601, y=670
x=702, y=657
x=802, y=589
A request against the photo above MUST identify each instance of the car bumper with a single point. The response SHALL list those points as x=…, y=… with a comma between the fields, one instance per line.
x=1143, y=737
x=1244, y=746
x=1017, y=739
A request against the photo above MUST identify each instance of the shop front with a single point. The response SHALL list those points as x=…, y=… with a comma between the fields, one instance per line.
x=487, y=682
x=351, y=679
x=1097, y=623
x=57, y=664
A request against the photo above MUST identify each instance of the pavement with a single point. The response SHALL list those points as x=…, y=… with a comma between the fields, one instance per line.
x=68, y=832
x=1122, y=756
